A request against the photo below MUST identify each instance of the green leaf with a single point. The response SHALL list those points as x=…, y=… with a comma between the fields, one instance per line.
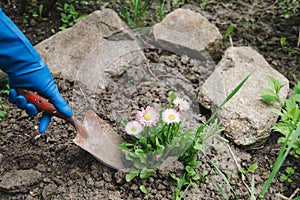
x=196, y=177
x=275, y=83
x=230, y=29
x=283, y=177
x=295, y=98
x=253, y=167
x=278, y=112
x=173, y=176
x=194, y=163
x=141, y=154
x=297, y=88
x=125, y=145
x=290, y=170
x=138, y=164
x=2, y=113
x=193, y=184
x=282, y=42
x=267, y=91
x=146, y=173
x=131, y=175
x=143, y=189
x=124, y=122
x=172, y=96
x=242, y=170
x=190, y=170
x=131, y=156
x=270, y=99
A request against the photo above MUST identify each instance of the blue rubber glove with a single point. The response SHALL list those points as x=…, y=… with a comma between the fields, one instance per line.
x=26, y=69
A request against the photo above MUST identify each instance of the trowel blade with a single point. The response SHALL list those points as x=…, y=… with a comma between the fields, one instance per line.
x=102, y=141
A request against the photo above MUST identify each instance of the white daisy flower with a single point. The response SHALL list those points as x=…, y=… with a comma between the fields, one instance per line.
x=181, y=103
x=148, y=116
x=171, y=116
x=133, y=128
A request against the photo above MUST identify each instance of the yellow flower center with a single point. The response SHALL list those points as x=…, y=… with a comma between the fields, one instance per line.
x=147, y=117
x=133, y=129
x=171, y=117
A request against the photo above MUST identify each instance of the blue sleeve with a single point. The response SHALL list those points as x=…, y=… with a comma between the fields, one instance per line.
x=17, y=55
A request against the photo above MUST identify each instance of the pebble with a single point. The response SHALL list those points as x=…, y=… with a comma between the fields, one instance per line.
x=47, y=180
x=161, y=187
x=29, y=197
x=49, y=190
x=99, y=184
x=107, y=177
x=134, y=187
x=90, y=182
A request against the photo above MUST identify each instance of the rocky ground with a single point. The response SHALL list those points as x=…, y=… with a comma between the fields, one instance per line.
x=52, y=167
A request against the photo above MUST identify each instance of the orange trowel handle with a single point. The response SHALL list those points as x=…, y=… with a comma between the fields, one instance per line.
x=43, y=105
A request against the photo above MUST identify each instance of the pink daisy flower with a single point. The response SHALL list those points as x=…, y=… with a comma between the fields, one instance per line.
x=133, y=128
x=181, y=103
x=148, y=116
x=171, y=116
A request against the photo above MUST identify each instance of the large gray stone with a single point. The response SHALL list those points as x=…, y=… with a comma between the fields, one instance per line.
x=184, y=31
x=19, y=180
x=91, y=47
x=246, y=118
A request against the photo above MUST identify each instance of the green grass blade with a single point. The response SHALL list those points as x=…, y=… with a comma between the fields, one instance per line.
x=252, y=197
x=145, y=6
x=285, y=149
x=233, y=92
x=229, y=31
x=136, y=6
x=223, y=176
x=221, y=190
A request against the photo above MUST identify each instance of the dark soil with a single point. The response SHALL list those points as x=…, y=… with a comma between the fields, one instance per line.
x=53, y=167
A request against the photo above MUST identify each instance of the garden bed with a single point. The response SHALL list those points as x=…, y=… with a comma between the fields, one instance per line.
x=64, y=171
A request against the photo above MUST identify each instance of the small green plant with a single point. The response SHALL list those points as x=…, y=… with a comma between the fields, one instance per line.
x=271, y=95
x=250, y=169
x=229, y=31
x=135, y=12
x=154, y=139
x=190, y=176
x=289, y=173
x=176, y=2
x=160, y=10
x=288, y=125
x=289, y=115
x=69, y=16
x=205, y=4
x=143, y=189
x=282, y=42
x=291, y=8
x=284, y=151
x=155, y=136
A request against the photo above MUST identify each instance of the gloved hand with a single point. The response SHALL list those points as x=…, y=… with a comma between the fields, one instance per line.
x=26, y=69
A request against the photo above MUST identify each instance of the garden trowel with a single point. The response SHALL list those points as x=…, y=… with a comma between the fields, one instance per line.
x=93, y=135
